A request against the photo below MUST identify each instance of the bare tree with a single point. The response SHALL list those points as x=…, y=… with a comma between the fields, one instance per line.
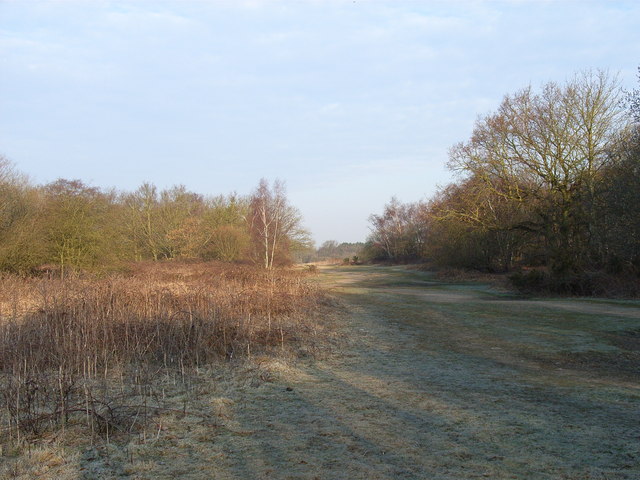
x=547, y=149
x=275, y=225
x=400, y=231
x=73, y=222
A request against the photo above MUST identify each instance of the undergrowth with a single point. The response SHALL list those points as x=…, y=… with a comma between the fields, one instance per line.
x=90, y=351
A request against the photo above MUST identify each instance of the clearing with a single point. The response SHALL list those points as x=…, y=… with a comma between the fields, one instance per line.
x=429, y=380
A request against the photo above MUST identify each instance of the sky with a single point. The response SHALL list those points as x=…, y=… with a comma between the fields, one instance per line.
x=348, y=102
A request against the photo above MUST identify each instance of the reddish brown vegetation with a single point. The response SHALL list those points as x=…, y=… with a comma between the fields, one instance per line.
x=59, y=337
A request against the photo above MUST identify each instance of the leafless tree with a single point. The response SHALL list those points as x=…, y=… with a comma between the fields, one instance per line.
x=275, y=225
x=547, y=149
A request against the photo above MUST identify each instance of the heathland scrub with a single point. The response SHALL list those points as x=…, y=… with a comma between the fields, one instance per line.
x=428, y=380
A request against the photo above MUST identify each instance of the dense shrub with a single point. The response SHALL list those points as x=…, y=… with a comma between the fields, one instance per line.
x=62, y=338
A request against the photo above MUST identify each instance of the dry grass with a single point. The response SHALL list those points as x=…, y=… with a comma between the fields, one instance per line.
x=91, y=351
x=431, y=380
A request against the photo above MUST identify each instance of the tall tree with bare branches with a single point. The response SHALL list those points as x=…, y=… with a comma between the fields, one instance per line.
x=547, y=149
x=275, y=225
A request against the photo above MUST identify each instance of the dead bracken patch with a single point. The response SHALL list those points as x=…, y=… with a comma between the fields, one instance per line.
x=90, y=349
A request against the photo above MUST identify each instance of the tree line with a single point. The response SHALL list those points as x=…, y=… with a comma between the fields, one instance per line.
x=548, y=185
x=69, y=225
x=331, y=250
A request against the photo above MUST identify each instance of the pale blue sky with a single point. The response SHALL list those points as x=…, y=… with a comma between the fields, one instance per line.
x=348, y=102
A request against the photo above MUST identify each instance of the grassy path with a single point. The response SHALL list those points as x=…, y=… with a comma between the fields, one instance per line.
x=452, y=382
